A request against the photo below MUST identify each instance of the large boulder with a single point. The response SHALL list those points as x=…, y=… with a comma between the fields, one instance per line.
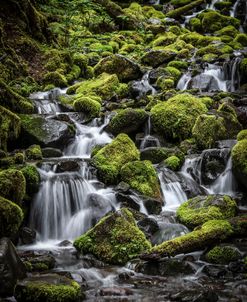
x=12, y=185
x=200, y=209
x=127, y=121
x=11, y=217
x=158, y=154
x=11, y=267
x=204, y=82
x=142, y=177
x=110, y=159
x=155, y=58
x=46, y=132
x=124, y=68
x=48, y=288
x=115, y=239
x=176, y=117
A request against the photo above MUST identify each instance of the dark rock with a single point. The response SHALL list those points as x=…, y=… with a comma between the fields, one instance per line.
x=62, y=117
x=122, y=187
x=128, y=201
x=155, y=58
x=51, y=152
x=152, y=205
x=68, y=166
x=46, y=132
x=115, y=291
x=164, y=267
x=65, y=243
x=39, y=263
x=11, y=268
x=195, y=296
x=27, y=235
x=203, y=82
x=149, y=226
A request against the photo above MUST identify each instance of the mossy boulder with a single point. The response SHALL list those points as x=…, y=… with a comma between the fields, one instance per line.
x=11, y=217
x=33, y=153
x=12, y=185
x=239, y=161
x=115, y=239
x=48, y=288
x=104, y=86
x=124, y=68
x=44, y=132
x=88, y=106
x=176, y=117
x=55, y=78
x=208, y=129
x=155, y=58
x=127, y=121
x=32, y=177
x=110, y=159
x=200, y=209
x=173, y=162
x=209, y=233
x=242, y=135
x=142, y=177
x=223, y=254
x=157, y=154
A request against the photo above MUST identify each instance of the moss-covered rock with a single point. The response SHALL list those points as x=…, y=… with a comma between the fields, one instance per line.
x=32, y=177
x=48, y=288
x=155, y=58
x=115, y=239
x=223, y=254
x=210, y=232
x=239, y=161
x=158, y=154
x=110, y=159
x=185, y=7
x=104, y=86
x=89, y=106
x=141, y=176
x=127, y=121
x=200, y=209
x=125, y=69
x=55, y=78
x=173, y=162
x=33, y=153
x=175, y=118
x=12, y=185
x=208, y=129
x=242, y=135
x=11, y=217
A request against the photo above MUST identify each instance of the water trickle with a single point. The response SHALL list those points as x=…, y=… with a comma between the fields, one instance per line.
x=232, y=72
x=184, y=81
x=149, y=140
x=143, y=87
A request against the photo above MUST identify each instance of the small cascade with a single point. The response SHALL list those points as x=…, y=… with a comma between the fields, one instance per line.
x=212, y=170
x=171, y=188
x=212, y=4
x=216, y=73
x=184, y=81
x=46, y=102
x=68, y=204
x=232, y=73
x=143, y=87
x=148, y=139
x=88, y=136
x=233, y=11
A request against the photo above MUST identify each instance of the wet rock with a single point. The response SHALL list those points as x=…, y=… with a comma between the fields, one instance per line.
x=158, y=154
x=38, y=263
x=164, y=267
x=122, y=187
x=46, y=288
x=27, y=235
x=45, y=131
x=149, y=226
x=195, y=296
x=214, y=271
x=126, y=69
x=11, y=268
x=65, y=243
x=203, y=82
x=223, y=254
x=155, y=58
x=68, y=166
x=129, y=201
x=115, y=291
x=152, y=205
x=51, y=152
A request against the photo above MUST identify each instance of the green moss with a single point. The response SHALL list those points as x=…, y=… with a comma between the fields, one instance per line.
x=10, y=125
x=178, y=12
x=242, y=135
x=34, y=153
x=175, y=118
x=229, y=30
x=80, y=60
x=164, y=39
x=172, y=72
x=11, y=217
x=105, y=86
x=88, y=106
x=222, y=255
x=200, y=209
x=207, y=101
x=113, y=156
x=135, y=117
x=141, y=176
x=195, y=24
x=173, y=163
x=207, y=130
x=242, y=39
x=40, y=289
x=19, y=158
x=12, y=185
x=32, y=177
x=178, y=64
x=115, y=239
x=210, y=232
x=55, y=78
x=164, y=83
x=74, y=74
x=239, y=160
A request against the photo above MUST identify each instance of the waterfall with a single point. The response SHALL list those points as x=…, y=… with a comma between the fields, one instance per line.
x=143, y=87
x=171, y=188
x=66, y=204
x=184, y=81
x=232, y=73
x=148, y=138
